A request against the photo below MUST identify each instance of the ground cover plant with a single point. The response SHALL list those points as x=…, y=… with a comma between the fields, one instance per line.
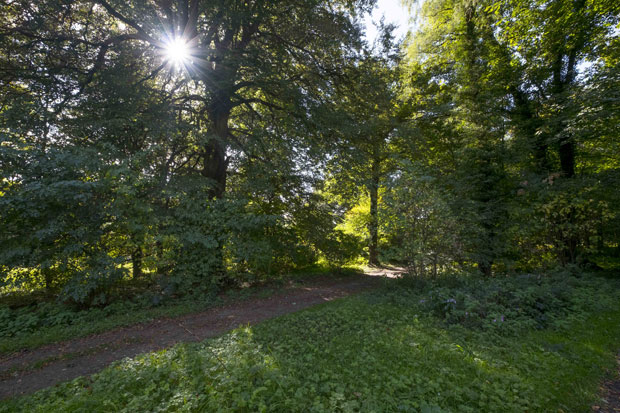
x=385, y=350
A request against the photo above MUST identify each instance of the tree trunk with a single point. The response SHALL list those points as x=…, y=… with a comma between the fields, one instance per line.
x=566, y=150
x=528, y=124
x=48, y=277
x=136, y=263
x=373, y=225
x=485, y=268
x=215, y=164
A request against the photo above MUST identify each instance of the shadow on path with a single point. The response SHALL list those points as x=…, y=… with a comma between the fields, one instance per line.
x=28, y=371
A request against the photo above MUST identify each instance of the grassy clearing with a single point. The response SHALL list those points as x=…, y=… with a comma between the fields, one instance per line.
x=34, y=325
x=386, y=350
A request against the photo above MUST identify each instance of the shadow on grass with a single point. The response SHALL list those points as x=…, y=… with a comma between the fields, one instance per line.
x=355, y=354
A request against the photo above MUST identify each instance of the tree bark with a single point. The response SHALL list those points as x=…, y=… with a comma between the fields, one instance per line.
x=373, y=225
x=136, y=263
x=528, y=123
x=567, y=157
x=215, y=164
x=48, y=276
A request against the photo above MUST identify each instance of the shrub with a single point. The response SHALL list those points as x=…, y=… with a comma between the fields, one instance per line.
x=509, y=305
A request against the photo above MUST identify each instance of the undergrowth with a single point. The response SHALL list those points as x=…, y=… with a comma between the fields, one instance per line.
x=44, y=322
x=508, y=305
x=402, y=348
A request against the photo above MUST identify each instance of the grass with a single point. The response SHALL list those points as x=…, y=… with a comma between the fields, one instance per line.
x=379, y=351
x=32, y=326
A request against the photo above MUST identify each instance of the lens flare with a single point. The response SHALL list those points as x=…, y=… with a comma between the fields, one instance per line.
x=177, y=51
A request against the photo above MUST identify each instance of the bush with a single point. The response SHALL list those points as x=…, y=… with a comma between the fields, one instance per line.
x=510, y=305
x=317, y=224
x=562, y=221
x=56, y=219
x=339, y=248
x=423, y=232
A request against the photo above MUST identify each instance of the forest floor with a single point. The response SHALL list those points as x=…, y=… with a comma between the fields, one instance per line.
x=610, y=395
x=26, y=371
x=342, y=342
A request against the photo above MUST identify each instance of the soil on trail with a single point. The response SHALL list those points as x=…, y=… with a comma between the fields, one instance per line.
x=610, y=395
x=27, y=371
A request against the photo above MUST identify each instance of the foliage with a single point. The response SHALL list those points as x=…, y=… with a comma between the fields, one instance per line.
x=62, y=200
x=117, y=162
x=573, y=223
x=318, y=224
x=270, y=149
x=512, y=305
x=423, y=231
x=378, y=351
x=340, y=248
x=568, y=222
x=511, y=116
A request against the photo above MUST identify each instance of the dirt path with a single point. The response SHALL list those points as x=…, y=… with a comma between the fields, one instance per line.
x=28, y=371
x=610, y=395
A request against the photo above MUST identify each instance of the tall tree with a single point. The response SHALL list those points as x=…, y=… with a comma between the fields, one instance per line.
x=515, y=81
x=462, y=79
x=233, y=55
x=371, y=106
x=547, y=44
x=163, y=99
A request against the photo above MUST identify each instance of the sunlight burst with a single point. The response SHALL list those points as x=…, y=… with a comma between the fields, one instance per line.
x=177, y=51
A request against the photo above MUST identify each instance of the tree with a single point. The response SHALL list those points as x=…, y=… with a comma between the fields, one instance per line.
x=461, y=75
x=165, y=97
x=550, y=46
x=547, y=44
x=514, y=81
x=370, y=104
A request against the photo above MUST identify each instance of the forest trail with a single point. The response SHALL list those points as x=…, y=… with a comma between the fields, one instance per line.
x=30, y=370
x=610, y=394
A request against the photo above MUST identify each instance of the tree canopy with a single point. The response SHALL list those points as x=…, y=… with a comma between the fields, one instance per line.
x=203, y=143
